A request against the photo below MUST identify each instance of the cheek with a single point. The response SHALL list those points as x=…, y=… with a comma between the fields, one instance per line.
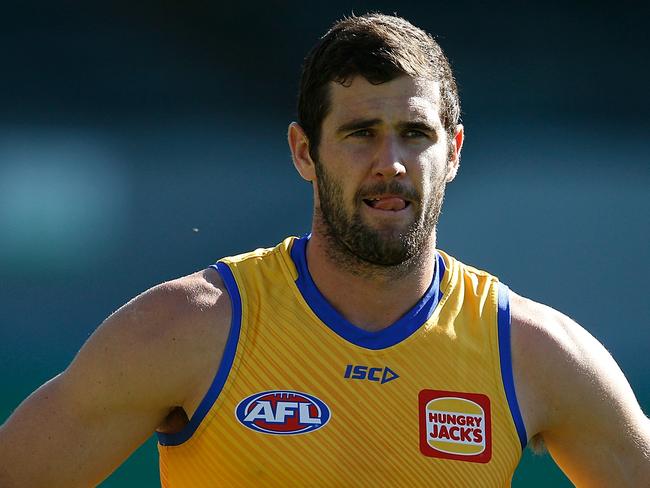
x=338, y=181
x=329, y=186
x=437, y=154
x=434, y=164
x=358, y=154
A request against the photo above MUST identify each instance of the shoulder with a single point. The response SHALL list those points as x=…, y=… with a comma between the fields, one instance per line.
x=182, y=311
x=546, y=342
x=558, y=364
x=572, y=392
x=191, y=301
x=164, y=340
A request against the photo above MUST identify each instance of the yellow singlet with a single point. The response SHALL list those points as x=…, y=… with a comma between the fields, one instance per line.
x=304, y=398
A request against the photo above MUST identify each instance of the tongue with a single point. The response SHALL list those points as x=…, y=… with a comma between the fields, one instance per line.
x=391, y=203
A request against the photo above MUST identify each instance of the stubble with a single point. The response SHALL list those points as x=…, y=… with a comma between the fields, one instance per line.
x=363, y=250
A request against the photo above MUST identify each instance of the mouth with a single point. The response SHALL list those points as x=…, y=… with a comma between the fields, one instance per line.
x=387, y=203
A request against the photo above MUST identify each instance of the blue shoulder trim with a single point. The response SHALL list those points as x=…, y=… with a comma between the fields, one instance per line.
x=224, y=367
x=405, y=326
x=505, y=358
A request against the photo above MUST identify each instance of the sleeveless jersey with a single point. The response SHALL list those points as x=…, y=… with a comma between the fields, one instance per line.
x=302, y=397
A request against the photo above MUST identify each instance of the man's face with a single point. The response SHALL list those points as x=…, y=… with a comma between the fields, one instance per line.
x=382, y=168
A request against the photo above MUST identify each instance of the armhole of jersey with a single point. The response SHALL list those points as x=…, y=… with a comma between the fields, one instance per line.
x=505, y=358
x=224, y=367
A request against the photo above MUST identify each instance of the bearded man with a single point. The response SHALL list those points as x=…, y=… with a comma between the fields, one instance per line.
x=357, y=355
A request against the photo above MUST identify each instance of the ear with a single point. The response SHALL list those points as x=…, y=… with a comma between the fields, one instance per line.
x=299, y=145
x=454, y=156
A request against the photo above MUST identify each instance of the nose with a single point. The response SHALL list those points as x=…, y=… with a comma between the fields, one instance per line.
x=389, y=160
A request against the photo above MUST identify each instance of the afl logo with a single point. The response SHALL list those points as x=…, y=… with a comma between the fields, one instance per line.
x=283, y=412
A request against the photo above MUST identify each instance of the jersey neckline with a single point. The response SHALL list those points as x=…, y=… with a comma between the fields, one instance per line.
x=395, y=333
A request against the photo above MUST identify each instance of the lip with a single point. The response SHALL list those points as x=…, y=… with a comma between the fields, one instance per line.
x=386, y=196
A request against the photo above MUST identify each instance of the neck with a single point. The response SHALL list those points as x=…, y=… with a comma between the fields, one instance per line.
x=369, y=296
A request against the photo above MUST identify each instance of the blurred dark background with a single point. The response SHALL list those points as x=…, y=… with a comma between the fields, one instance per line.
x=140, y=142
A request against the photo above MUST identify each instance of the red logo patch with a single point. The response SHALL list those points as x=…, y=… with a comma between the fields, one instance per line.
x=455, y=425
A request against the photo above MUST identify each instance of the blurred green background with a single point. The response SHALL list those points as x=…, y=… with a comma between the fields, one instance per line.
x=141, y=143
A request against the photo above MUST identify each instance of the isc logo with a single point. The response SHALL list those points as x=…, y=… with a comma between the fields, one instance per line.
x=380, y=375
x=282, y=412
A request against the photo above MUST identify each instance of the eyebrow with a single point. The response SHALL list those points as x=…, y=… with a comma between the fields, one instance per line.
x=416, y=125
x=357, y=124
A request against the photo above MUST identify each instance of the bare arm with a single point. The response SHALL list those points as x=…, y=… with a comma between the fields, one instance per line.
x=575, y=396
x=152, y=355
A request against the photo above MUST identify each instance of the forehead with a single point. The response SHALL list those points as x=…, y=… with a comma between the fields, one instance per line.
x=401, y=99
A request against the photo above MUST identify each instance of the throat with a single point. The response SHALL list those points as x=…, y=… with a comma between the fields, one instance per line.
x=349, y=302
x=374, y=299
x=371, y=319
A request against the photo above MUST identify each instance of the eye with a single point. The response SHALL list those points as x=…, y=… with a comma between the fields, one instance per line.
x=414, y=134
x=361, y=133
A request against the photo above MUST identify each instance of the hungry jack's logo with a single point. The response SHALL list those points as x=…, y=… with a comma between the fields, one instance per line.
x=455, y=425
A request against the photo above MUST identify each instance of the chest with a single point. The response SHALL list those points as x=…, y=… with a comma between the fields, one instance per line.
x=307, y=408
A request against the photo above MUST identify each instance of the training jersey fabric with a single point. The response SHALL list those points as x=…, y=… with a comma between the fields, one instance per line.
x=304, y=398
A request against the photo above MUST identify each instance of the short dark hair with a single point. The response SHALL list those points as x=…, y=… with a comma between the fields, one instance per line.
x=380, y=48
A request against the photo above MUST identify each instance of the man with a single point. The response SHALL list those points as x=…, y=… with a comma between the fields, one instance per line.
x=356, y=356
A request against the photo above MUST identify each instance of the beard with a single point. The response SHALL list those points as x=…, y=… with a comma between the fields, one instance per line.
x=357, y=244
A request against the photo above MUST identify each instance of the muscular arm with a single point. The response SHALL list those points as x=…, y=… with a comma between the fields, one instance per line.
x=575, y=396
x=147, y=358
